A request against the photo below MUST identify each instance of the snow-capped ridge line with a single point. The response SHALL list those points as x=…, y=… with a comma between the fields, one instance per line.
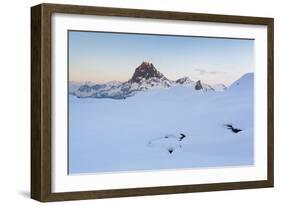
x=243, y=83
x=145, y=77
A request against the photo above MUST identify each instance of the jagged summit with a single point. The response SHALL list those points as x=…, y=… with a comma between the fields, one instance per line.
x=145, y=77
x=146, y=71
x=198, y=85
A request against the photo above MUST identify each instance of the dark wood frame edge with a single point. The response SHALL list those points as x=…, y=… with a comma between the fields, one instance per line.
x=41, y=101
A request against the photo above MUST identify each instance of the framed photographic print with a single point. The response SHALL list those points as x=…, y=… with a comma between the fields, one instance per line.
x=130, y=102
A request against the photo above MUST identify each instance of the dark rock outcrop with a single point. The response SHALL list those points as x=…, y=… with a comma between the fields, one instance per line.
x=230, y=127
x=146, y=71
x=145, y=77
x=198, y=85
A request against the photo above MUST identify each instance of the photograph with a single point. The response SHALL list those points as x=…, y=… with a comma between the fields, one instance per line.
x=133, y=102
x=153, y=102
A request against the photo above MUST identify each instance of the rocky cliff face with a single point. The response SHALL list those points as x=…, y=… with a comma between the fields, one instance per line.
x=198, y=85
x=146, y=71
x=145, y=77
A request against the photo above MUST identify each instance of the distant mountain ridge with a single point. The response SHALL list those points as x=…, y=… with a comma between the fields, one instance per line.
x=145, y=77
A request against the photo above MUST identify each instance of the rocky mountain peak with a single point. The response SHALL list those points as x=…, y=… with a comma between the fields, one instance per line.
x=145, y=77
x=198, y=85
x=146, y=71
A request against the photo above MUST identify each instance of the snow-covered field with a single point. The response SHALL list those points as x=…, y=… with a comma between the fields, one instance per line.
x=144, y=132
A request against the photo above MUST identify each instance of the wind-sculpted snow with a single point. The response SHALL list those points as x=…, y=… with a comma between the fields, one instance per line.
x=144, y=132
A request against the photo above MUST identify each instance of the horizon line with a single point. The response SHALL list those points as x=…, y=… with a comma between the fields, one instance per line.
x=105, y=82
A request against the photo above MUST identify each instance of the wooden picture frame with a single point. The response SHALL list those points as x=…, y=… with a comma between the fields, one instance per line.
x=41, y=98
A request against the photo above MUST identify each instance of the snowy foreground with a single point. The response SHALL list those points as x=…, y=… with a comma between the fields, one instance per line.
x=158, y=129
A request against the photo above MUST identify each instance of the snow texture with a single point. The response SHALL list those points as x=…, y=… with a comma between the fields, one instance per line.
x=156, y=129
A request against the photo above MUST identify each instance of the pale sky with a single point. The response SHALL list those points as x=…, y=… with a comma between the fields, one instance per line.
x=102, y=57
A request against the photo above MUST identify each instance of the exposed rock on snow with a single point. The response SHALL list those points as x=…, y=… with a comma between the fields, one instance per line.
x=230, y=127
x=114, y=136
x=198, y=85
x=146, y=71
x=145, y=77
x=185, y=81
x=168, y=142
x=219, y=87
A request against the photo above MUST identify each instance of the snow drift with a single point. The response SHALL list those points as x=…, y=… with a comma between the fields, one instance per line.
x=139, y=133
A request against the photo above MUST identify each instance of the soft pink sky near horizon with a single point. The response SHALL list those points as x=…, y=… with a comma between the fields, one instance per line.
x=102, y=57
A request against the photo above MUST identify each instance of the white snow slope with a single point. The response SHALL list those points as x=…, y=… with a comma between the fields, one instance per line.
x=139, y=133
